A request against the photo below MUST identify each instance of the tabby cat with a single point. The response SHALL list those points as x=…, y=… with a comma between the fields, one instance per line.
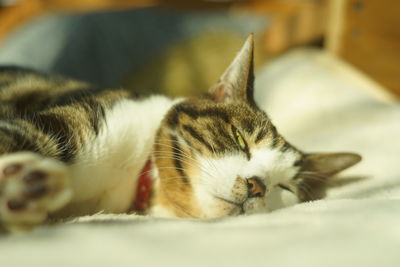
x=70, y=149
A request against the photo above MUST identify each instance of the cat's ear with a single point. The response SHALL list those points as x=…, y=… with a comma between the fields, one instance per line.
x=317, y=168
x=328, y=164
x=237, y=82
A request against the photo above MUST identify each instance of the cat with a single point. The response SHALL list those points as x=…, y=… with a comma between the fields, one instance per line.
x=70, y=149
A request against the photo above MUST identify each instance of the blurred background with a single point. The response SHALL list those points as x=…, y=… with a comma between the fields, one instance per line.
x=180, y=47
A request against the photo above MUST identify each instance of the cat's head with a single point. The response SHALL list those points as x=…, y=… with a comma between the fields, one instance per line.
x=220, y=155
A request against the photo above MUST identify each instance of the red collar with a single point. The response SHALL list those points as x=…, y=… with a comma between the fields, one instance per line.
x=143, y=189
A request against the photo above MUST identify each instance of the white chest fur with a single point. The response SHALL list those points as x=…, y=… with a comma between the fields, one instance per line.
x=105, y=173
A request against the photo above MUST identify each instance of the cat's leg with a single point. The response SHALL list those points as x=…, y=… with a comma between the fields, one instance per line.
x=33, y=183
x=31, y=187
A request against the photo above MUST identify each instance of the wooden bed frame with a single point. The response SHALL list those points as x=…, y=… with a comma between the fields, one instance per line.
x=366, y=33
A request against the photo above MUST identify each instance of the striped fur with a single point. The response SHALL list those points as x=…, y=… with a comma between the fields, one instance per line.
x=89, y=145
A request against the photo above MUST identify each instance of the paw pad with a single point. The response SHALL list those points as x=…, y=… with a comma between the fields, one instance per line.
x=16, y=204
x=30, y=188
x=12, y=169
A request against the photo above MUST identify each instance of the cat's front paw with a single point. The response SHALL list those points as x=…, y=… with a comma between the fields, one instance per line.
x=31, y=187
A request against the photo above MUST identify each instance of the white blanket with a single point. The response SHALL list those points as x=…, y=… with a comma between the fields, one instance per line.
x=319, y=104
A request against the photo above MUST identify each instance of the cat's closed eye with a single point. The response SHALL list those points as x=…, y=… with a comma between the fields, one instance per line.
x=284, y=187
x=240, y=141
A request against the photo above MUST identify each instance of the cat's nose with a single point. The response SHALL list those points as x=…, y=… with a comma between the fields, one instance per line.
x=255, y=187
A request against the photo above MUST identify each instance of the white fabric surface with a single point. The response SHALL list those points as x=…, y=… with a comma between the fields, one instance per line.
x=319, y=105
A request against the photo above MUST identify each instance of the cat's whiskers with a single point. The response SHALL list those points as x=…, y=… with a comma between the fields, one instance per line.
x=160, y=142
x=210, y=162
x=133, y=154
x=160, y=155
x=211, y=177
x=174, y=150
x=185, y=156
x=177, y=180
x=182, y=160
x=179, y=207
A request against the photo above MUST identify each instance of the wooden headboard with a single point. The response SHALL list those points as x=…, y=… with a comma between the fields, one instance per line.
x=366, y=33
